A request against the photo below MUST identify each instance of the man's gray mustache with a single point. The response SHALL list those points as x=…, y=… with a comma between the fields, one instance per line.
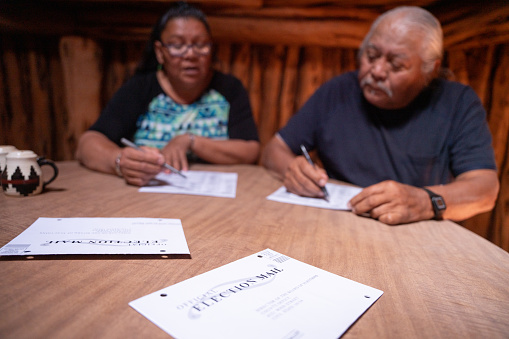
x=376, y=84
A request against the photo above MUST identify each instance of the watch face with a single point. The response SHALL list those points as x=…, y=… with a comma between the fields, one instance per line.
x=439, y=203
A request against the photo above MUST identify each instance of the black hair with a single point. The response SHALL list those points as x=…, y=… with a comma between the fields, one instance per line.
x=180, y=9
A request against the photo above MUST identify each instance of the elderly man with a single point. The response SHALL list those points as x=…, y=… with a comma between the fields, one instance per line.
x=418, y=144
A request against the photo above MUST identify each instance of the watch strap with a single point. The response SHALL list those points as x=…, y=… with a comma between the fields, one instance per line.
x=438, y=204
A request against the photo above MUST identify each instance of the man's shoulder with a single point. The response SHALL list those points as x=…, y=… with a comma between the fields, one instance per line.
x=452, y=100
x=341, y=87
x=345, y=78
x=452, y=88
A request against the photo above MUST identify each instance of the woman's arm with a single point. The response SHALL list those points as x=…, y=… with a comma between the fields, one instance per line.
x=97, y=152
x=232, y=151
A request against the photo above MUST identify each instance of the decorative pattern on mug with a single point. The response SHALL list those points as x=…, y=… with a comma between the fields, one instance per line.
x=18, y=182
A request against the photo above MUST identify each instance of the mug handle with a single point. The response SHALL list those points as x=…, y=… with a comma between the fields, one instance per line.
x=43, y=161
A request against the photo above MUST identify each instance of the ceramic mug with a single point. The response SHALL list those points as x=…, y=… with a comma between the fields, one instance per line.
x=4, y=150
x=22, y=175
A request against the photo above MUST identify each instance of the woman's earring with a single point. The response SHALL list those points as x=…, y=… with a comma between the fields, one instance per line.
x=159, y=67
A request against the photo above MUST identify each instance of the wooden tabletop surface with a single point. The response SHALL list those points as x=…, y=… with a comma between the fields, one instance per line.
x=439, y=279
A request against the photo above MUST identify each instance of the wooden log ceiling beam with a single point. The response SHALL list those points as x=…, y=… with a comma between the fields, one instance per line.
x=323, y=26
x=473, y=29
x=331, y=33
x=360, y=3
x=201, y=3
x=300, y=13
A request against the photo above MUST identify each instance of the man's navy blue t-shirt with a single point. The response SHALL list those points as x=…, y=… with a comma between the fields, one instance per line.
x=440, y=135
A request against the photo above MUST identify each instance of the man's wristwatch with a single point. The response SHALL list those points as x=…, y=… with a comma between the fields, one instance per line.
x=438, y=204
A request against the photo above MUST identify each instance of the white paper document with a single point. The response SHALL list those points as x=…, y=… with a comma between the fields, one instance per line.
x=215, y=184
x=265, y=295
x=49, y=236
x=339, y=196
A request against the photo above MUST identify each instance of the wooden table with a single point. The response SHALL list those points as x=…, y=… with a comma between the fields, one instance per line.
x=439, y=279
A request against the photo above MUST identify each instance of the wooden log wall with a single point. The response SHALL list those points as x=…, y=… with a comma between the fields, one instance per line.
x=53, y=84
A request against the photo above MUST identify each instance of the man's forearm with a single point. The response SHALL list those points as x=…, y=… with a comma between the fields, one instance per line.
x=277, y=156
x=471, y=193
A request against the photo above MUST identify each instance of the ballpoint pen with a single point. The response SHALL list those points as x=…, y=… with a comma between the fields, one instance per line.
x=165, y=165
x=308, y=158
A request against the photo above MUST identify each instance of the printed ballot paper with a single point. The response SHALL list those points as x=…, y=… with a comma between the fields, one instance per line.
x=339, y=196
x=142, y=236
x=215, y=184
x=265, y=295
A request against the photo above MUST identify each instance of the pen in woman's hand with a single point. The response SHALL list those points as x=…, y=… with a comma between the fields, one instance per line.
x=308, y=158
x=133, y=145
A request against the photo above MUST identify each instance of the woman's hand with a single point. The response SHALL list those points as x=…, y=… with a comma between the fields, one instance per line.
x=138, y=167
x=175, y=152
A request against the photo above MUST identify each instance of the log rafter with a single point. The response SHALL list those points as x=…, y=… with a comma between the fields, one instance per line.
x=256, y=21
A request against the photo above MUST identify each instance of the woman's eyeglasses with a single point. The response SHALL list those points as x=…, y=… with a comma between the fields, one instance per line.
x=179, y=50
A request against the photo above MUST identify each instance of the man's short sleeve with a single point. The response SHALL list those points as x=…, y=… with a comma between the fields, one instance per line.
x=301, y=129
x=471, y=141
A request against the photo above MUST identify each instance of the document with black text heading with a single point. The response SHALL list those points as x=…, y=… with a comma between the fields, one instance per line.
x=264, y=295
x=100, y=236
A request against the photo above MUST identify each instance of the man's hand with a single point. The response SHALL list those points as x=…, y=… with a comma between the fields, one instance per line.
x=393, y=203
x=304, y=179
x=137, y=167
x=175, y=152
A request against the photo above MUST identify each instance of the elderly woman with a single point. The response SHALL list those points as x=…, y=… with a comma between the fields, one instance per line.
x=176, y=107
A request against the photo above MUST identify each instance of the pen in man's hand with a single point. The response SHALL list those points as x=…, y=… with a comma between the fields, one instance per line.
x=133, y=145
x=308, y=158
